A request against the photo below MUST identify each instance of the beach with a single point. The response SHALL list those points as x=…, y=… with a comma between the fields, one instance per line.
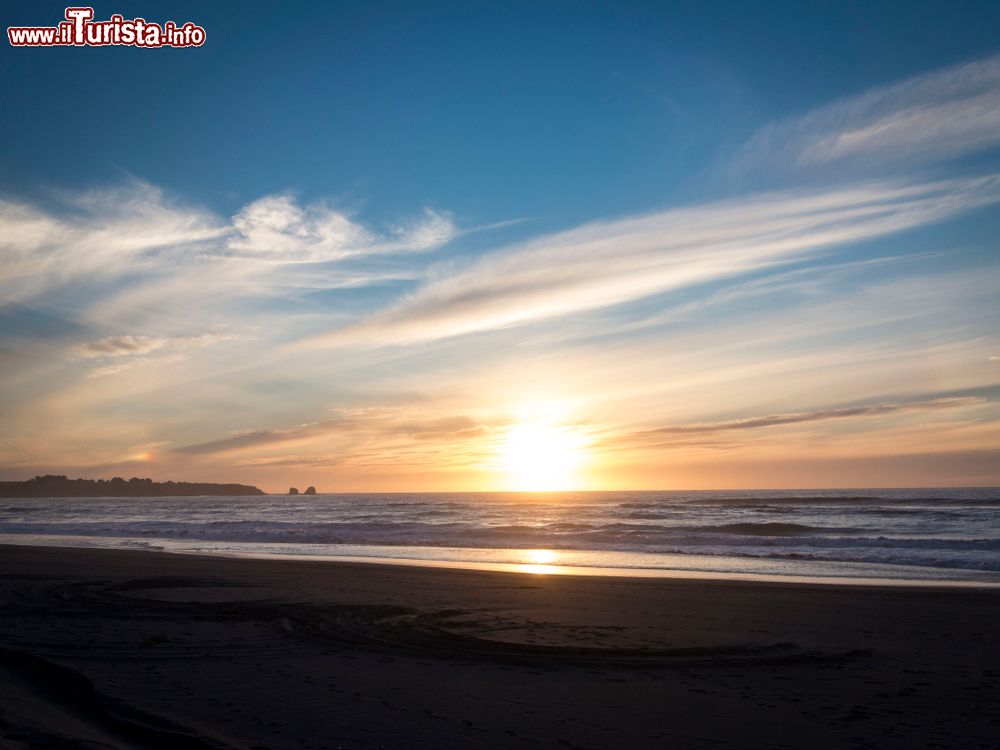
x=134, y=649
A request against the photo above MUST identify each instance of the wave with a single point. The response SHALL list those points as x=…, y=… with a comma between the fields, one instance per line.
x=561, y=534
x=775, y=528
x=938, y=528
x=763, y=503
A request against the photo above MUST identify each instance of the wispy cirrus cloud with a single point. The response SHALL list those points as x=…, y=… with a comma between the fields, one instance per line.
x=607, y=263
x=126, y=352
x=380, y=423
x=98, y=234
x=118, y=346
x=937, y=115
x=130, y=345
x=136, y=231
x=277, y=228
x=820, y=415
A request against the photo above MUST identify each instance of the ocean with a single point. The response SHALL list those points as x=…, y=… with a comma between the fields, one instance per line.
x=930, y=535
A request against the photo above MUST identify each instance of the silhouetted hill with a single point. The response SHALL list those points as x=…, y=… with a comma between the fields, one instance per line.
x=53, y=485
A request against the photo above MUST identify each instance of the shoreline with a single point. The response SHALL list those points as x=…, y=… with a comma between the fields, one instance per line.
x=545, y=569
x=604, y=572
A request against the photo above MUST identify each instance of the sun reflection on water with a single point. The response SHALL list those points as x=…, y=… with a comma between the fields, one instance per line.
x=539, y=561
x=541, y=556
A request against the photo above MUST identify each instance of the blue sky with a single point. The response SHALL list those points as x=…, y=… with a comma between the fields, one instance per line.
x=358, y=242
x=557, y=112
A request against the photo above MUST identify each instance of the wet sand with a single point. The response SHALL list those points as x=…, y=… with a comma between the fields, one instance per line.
x=122, y=649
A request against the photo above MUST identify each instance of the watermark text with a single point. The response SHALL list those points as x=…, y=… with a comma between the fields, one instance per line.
x=81, y=30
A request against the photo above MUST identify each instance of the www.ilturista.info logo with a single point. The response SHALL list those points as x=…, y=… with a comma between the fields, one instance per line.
x=80, y=30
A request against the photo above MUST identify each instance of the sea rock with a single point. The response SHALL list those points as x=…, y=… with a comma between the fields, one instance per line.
x=292, y=491
x=310, y=490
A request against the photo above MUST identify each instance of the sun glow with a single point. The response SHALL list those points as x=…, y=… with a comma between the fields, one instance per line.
x=539, y=457
x=539, y=561
x=541, y=556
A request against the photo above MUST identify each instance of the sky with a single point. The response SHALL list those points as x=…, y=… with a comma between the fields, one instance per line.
x=499, y=246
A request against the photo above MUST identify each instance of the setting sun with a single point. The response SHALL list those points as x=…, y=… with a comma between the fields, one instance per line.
x=540, y=457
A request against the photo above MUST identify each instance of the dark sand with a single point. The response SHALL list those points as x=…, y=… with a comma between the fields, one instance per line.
x=120, y=649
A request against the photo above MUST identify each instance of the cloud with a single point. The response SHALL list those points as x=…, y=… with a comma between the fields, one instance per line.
x=364, y=422
x=137, y=345
x=119, y=346
x=774, y=420
x=115, y=369
x=815, y=281
x=127, y=352
x=941, y=114
x=277, y=228
x=607, y=263
x=437, y=427
x=431, y=230
x=96, y=235
x=254, y=438
x=135, y=233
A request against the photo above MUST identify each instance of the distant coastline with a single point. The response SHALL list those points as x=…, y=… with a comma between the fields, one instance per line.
x=53, y=485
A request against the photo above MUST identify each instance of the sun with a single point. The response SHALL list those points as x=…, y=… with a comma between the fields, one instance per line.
x=540, y=457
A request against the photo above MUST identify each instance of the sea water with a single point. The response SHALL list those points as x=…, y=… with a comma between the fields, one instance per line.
x=930, y=535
